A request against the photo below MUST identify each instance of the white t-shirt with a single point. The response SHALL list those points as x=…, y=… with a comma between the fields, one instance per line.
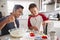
x=36, y=21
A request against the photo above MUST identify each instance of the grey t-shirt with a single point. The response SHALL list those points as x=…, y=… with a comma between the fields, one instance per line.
x=8, y=26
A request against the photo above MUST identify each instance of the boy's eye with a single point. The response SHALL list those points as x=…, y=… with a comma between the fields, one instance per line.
x=31, y=12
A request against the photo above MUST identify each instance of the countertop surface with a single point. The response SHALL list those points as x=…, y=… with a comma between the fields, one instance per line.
x=55, y=25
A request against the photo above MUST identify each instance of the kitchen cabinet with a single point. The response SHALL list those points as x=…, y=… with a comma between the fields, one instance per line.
x=57, y=4
x=50, y=5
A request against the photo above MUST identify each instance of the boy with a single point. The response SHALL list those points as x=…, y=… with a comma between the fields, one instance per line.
x=35, y=19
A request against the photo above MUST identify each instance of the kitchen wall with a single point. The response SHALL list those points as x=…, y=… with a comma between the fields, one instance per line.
x=23, y=23
x=50, y=7
x=4, y=3
x=36, y=1
x=4, y=10
x=3, y=7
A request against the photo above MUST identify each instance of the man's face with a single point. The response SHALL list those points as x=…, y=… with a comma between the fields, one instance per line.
x=34, y=11
x=18, y=12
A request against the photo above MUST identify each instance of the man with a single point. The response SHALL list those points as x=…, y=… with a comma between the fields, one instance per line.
x=1, y=15
x=7, y=23
x=35, y=19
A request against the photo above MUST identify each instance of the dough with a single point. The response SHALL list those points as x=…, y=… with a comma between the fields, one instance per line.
x=16, y=33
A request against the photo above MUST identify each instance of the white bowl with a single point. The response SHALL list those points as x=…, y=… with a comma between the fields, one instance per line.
x=16, y=32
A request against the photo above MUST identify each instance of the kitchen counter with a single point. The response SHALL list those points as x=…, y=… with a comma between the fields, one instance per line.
x=3, y=37
x=53, y=26
x=8, y=37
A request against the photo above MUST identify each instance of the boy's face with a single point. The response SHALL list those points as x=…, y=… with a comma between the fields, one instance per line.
x=34, y=11
x=18, y=12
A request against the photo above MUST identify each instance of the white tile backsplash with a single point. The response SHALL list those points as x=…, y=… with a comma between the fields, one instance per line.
x=23, y=23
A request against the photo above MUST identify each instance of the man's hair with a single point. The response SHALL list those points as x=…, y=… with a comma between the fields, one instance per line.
x=17, y=7
x=32, y=6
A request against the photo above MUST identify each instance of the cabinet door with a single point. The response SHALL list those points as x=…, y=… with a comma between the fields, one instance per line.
x=57, y=4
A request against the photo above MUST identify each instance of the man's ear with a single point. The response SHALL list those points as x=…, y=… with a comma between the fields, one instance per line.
x=14, y=11
x=10, y=13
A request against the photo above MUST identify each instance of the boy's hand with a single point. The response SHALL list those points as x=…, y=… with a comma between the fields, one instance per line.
x=35, y=28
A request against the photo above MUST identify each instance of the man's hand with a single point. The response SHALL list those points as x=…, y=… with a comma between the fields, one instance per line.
x=10, y=19
x=7, y=20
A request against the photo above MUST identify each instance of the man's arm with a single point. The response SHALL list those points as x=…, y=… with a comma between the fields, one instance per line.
x=2, y=24
x=7, y=20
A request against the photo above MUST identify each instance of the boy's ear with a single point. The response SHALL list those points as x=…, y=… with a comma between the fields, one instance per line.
x=37, y=8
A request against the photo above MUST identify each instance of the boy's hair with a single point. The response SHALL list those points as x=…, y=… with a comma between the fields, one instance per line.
x=32, y=6
x=17, y=7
